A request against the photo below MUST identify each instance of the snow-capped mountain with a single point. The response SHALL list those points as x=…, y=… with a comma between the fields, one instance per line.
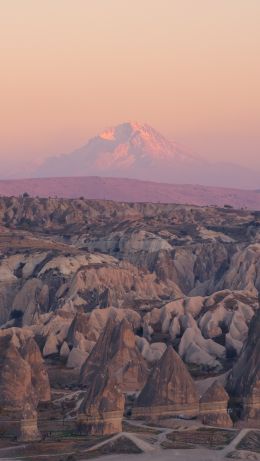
x=136, y=150
x=131, y=149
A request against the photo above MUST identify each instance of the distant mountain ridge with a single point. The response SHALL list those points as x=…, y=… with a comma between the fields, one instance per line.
x=137, y=151
x=131, y=190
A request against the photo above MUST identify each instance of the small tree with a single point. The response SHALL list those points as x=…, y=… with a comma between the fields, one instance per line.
x=17, y=316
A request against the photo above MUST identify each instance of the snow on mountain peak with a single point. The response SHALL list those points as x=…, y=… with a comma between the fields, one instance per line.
x=139, y=139
x=130, y=149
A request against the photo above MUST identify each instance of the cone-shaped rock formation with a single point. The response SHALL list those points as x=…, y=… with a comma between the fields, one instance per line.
x=213, y=406
x=101, y=411
x=169, y=390
x=116, y=348
x=114, y=367
x=23, y=383
x=244, y=382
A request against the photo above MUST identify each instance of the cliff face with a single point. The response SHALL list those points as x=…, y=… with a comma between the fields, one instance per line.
x=168, y=390
x=244, y=382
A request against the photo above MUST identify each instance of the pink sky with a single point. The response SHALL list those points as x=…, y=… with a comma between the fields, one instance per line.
x=190, y=68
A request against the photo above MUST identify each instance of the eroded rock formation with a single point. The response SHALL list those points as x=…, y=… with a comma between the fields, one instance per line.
x=101, y=411
x=23, y=383
x=116, y=348
x=244, y=382
x=169, y=390
x=214, y=406
x=72, y=270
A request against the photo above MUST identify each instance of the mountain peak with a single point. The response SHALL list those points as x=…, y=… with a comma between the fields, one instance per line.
x=126, y=129
x=136, y=150
x=139, y=139
x=130, y=149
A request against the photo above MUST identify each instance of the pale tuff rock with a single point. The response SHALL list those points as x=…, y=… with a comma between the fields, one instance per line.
x=195, y=349
x=92, y=324
x=76, y=358
x=150, y=352
x=224, y=314
x=244, y=272
x=105, y=285
x=64, y=350
x=130, y=243
x=51, y=345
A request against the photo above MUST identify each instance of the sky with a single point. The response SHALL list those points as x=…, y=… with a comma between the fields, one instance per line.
x=70, y=68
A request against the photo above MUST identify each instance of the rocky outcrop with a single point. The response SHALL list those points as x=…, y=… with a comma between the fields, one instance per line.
x=208, y=329
x=114, y=367
x=244, y=381
x=23, y=383
x=116, y=348
x=40, y=380
x=121, y=285
x=213, y=406
x=169, y=390
x=150, y=352
x=195, y=349
x=101, y=411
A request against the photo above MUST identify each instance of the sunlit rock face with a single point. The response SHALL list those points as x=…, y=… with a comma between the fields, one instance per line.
x=213, y=406
x=102, y=409
x=23, y=382
x=114, y=367
x=169, y=390
x=117, y=349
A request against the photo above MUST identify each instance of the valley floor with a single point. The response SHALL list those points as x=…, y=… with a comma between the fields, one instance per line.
x=150, y=441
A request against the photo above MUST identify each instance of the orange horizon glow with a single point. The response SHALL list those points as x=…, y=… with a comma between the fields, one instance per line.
x=71, y=68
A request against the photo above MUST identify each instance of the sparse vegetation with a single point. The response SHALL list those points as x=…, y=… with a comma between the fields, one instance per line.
x=251, y=442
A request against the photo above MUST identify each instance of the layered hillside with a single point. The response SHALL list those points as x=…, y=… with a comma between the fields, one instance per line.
x=131, y=190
